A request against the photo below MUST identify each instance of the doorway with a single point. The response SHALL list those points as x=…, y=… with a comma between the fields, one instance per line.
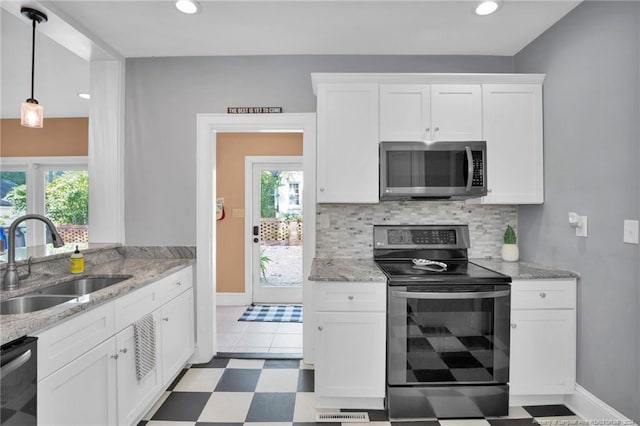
x=209, y=127
x=274, y=229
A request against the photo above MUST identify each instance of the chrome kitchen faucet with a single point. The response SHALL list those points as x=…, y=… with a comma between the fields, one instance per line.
x=11, y=280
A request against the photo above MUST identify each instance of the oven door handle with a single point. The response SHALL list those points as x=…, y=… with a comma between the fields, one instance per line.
x=470, y=168
x=452, y=295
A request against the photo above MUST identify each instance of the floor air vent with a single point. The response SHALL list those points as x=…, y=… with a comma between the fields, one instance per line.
x=342, y=417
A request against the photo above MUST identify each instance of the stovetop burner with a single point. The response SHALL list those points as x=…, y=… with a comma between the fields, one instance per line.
x=399, y=271
x=395, y=247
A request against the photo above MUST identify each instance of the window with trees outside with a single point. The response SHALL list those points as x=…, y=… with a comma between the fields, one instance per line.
x=56, y=187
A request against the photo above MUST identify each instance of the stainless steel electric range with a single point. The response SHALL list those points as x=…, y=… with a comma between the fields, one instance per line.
x=447, y=327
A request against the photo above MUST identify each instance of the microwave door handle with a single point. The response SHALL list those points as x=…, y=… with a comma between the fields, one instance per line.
x=462, y=295
x=469, y=167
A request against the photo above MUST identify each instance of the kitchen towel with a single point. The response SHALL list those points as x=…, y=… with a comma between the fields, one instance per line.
x=144, y=335
x=273, y=313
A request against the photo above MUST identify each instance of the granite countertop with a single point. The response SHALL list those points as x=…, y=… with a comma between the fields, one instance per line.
x=347, y=269
x=525, y=270
x=143, y=270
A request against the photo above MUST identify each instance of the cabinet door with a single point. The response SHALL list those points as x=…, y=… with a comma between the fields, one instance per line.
x=83, y=392
x=177, y=340
x=513, y=131
x=347, y=146
x=543, y=345
x=456, y=112
x=405, y=112
x=134, y=396
x=350, y=354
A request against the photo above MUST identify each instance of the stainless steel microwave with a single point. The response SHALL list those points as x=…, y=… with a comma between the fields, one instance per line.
x=433, y=170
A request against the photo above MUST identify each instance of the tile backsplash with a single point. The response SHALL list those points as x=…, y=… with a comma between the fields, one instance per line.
x=346, y=230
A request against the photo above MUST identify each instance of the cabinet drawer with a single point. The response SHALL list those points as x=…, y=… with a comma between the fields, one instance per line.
x=65, y=342
x=350, y=296
x=176, y=283
x=543, y=294
x=138, y=303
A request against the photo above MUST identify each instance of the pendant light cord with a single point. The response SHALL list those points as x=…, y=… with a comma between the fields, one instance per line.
x=33, y=54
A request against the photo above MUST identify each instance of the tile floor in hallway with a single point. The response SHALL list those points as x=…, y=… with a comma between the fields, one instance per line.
x=280, y=392
x=255, y=337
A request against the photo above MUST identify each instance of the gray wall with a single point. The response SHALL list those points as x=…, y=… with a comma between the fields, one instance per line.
x=163, y=96
x=592, y=151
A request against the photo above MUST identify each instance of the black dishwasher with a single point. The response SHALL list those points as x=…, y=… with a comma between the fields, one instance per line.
x=19, y=382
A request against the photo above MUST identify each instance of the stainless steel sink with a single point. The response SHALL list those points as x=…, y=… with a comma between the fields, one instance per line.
x=57, y=294
x=82, y=286
x=32, y=303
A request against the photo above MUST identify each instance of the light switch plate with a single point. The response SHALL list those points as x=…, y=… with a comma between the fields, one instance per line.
x=630, y=231
x=581, y=230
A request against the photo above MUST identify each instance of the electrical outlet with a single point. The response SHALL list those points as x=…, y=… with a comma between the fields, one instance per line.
x=630, y=231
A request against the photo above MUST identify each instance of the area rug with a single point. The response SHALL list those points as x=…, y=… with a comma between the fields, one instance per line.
x=273, y=313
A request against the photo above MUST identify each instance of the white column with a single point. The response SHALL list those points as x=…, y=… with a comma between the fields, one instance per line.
x=106, y=152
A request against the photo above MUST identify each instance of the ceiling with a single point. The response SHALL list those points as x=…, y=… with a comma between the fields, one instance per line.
x=291, y=27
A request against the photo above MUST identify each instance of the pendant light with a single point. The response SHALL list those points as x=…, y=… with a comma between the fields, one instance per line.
x=31, y=112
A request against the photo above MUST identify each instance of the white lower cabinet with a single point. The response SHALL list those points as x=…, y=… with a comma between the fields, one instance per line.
x=177, y=334
x=134, y=396
x=350, y=344
x=83, y=392
x=100, y=386
x=543, y=337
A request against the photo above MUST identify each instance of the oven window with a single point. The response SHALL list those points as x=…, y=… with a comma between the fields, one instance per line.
x=453, y=341
x=442, y=169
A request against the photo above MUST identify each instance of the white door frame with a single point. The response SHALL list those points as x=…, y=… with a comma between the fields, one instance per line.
x=207, y=128
x=249, y=245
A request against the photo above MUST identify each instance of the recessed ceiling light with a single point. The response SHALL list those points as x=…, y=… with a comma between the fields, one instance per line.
x=84, y=95
x=487, y=7
x=188, y=6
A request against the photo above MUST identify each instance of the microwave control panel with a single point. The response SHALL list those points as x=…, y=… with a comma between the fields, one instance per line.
x=478, y=169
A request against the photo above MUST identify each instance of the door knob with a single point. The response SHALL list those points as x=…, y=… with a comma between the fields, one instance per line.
x=255, y=240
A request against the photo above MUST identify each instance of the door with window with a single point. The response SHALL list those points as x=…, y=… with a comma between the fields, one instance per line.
x=274, y=225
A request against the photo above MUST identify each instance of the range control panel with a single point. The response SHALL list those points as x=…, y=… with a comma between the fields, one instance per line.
x=420, y=236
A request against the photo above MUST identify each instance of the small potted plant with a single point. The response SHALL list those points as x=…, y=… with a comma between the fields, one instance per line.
x=510, y=251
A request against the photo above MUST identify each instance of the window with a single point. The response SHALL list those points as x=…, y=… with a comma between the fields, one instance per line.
x=294, y=193
x=57, y=187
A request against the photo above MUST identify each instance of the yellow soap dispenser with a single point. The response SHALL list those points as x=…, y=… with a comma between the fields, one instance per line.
x=77, y=262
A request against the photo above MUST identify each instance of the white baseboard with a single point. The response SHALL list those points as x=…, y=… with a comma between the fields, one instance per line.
x=233, y=299
x=520, y=400
x=589, y=407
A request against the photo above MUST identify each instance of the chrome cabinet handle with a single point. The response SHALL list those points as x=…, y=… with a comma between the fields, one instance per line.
x=165, y=319
x=178, y=283
x=543, y=295
x=437, y=129
x=123, y=350
x=513, y=325
x=321, y=189
x=320, y=328
x=350, y=297
x=114, y=356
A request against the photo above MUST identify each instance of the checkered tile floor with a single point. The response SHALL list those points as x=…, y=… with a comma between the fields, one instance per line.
x=280, y=392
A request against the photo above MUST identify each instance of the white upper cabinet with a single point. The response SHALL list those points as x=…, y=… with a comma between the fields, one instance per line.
x=456, y=112
x=347, y=144
x=356, y=111
x=444, y=112
x=405, y=112
x=513, y=131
